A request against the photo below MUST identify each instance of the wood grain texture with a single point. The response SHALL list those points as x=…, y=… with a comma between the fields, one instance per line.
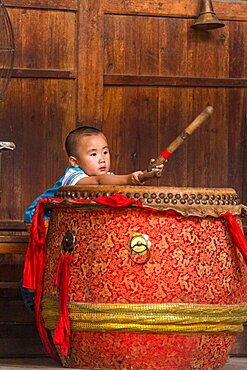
x=225, y=9
x=237, y=143
x=173, y=113
x=43, y=4
x=208, y=52
x=90, y=63
x=133, y=122
x=141, y=46
x=237, y=49
x=144, y=80
x=39, y=116
x=43, y=73
x=168, y=47
x=48, y=45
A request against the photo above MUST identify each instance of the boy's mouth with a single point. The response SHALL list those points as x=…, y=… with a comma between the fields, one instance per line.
x=102, y=169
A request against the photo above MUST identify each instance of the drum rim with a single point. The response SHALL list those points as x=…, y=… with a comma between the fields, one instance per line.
x=187, y=201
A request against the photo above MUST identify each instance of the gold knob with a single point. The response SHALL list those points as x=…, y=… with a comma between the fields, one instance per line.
x=139, y=246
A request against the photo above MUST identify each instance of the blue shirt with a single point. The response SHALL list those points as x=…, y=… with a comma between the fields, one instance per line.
x=71, y=177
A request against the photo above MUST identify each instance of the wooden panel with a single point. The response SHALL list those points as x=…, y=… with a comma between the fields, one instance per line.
x=140, y=46
x=43, y=4
x=173, y=118
x=238, y=52
x=90, y=63
x=13, y=274
x=237, y=140
x=173, y=47
x=39, y=114
x=208, y=152
x=126, y=48
x=204, y=161
x=18, y=335
x=20, y=340
x=15, y=311
x=225, y=9
x=208, y=52
x=50, y=44
x=130, y=121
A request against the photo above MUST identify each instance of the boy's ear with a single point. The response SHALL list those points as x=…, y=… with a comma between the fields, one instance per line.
x=73, y=161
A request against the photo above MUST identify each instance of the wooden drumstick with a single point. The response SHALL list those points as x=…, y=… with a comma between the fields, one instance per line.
x=198, y=121
x=145, y=176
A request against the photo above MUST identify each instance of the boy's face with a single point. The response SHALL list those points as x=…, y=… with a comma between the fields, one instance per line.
x=93, y=155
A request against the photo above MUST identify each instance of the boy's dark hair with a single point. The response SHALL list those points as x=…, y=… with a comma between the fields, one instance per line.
x=72, y=138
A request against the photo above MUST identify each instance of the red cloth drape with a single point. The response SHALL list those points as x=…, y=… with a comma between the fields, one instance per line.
x=34, y=266
x=237, y=235
x=36, y=260
x=62, y=331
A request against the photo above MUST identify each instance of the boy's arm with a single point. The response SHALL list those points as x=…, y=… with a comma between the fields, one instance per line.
x=108, y=179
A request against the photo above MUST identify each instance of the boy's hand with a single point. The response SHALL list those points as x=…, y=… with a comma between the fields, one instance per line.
x=159, y=166
x=145, y=176
x=134, y=178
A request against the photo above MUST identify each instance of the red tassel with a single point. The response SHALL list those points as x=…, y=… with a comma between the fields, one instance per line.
x=62, y=331
x=34, y=270
x=237, y=234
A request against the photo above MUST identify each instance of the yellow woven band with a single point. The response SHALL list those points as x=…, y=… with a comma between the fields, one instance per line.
x=154, y=318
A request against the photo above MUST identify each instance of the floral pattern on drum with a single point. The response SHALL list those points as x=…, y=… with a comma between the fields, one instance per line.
x=192, y=261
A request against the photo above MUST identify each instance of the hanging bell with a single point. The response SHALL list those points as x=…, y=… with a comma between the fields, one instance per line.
x=207, y=19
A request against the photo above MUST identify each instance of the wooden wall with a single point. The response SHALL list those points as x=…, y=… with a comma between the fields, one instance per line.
x=39, y=110
x=134, y=68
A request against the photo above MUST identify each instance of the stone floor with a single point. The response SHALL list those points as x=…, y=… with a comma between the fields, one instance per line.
x=47, y=364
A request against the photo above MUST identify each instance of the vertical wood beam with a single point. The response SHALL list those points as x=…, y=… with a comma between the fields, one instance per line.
x=90, y=63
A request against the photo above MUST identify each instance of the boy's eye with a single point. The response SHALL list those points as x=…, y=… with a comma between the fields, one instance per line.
x=106, y=152
x=93, y=154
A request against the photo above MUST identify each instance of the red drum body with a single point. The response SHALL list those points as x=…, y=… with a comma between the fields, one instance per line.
x=148, y=289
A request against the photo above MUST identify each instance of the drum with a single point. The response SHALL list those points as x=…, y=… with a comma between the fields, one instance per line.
x=156, y=283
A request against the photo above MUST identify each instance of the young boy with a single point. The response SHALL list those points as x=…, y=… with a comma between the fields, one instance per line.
x=89, y=159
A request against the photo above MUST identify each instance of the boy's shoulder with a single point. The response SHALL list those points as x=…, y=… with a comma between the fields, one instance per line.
x=72, y=176
x=71, y=169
